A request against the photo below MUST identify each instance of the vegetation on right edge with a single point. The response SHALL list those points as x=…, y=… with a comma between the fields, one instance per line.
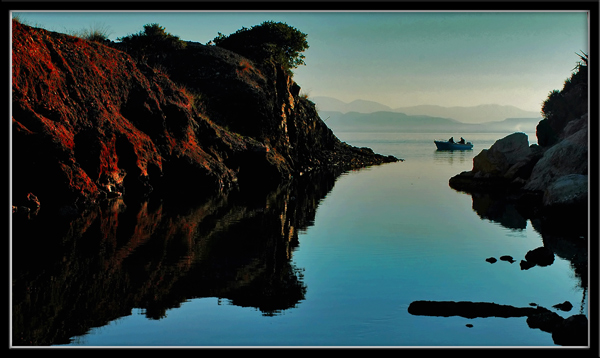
x=566, y=105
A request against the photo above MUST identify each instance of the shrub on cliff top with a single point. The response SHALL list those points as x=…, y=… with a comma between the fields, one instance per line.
x=151, y=43
x=270, y=40
x=96, y=32
x=565, y=105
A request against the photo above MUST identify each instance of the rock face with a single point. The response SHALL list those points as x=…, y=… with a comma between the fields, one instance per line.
x=89, y=122
x=561, y=174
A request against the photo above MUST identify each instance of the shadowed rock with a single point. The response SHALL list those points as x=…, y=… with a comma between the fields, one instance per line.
x=565, y=306
x=567, y=332
x=507, y=258
x=467, y=309
x=542, y=256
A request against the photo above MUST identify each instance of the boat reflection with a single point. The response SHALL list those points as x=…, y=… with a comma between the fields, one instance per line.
x=72, y=275
x=452, y=156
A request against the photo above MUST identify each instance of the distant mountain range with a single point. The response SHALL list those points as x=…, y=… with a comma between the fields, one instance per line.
x=384, y=121
x=477, y=114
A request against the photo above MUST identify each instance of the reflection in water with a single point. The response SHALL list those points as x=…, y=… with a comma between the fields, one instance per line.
x=71, y=276
x=499, y=209
x=568, y=332
x=452, y=156
x=563, y=238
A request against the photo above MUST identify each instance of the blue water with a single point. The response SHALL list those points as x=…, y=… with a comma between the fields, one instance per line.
x=383, y=237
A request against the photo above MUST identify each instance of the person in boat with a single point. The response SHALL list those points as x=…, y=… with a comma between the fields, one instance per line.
x=451, y=140
x=462, y=140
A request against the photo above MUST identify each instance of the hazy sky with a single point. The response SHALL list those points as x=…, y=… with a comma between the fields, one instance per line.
x=395, y=58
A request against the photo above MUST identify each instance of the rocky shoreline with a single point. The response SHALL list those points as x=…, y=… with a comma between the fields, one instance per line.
x=546, y=183
x=552, y=180
x=90, y=122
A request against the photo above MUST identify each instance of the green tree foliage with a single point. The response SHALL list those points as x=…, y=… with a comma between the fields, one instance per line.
x=270, y=40
x=151, y=43
x=565, y=105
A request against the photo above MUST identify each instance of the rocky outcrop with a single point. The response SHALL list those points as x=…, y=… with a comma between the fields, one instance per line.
x=561, y=174
x=89, y=122
x=557, y=175
x=556, y=170
x=507, y=164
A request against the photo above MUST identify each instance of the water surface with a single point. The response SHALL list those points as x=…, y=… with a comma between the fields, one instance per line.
x=329, y=261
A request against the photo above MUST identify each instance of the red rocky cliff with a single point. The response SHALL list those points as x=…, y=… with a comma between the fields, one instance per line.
x=89, y=122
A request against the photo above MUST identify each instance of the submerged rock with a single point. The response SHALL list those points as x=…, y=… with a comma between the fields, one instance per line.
x=542, y=256
x=526, y=265
x=507, y=258
x=565, y=306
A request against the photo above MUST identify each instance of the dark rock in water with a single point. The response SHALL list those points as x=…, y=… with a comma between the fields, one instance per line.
x=533, y=304
x=526, y=265
x=565, y=306
x=572, y=331
x=542, y=256
x=507, y=163
x=507, y=258
x=491, y=260
x=469, y=325
x=543, y=319
x=467, y=309
x=566, y=332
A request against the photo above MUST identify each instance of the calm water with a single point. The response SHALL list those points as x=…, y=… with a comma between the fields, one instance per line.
x=333, y=261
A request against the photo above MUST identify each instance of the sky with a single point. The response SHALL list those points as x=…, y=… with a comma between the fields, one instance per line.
x=395, y=58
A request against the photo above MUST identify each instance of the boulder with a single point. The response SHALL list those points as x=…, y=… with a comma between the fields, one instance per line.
x=506, y=164
x=542, y=256
x=569, y=156
x=502, y=155
x=571, y=189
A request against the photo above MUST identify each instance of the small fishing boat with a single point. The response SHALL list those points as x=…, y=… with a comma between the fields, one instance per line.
x=446, y=145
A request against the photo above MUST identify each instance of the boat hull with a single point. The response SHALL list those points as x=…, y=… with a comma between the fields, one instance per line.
x=445, y=145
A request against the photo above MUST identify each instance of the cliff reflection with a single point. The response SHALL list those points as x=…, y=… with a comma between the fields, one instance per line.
x=70, y=276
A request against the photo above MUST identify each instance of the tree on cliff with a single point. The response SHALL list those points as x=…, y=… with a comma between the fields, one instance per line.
x=151, y=43
x=270, y=40
x=565, y=105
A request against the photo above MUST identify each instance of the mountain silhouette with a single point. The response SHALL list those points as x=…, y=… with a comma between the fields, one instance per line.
x=476, y=114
